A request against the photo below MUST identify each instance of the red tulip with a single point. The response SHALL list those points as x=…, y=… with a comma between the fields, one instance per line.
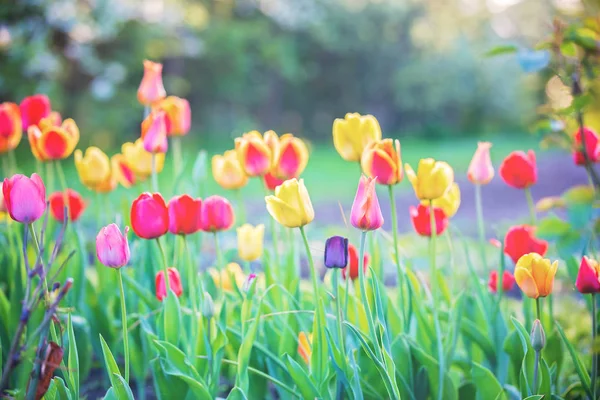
x=271, y=181
x=57, y=205
x=174, y=283
x=33, y=109
x=588, y=278
x=184, y=215
x=11, y=130
x=149, y=216
x=520, y=240
x=217, y=214
x=508, y=281
x=420, y=217
x=151, y=87
x=25, y=198
x=112, y=248
x=519, y=170
x=352, y=267
x=366, y=213
x=592, y=146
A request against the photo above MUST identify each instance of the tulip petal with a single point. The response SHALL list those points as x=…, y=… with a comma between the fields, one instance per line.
x=282, y=212
x=549, y=284
x=526, y=282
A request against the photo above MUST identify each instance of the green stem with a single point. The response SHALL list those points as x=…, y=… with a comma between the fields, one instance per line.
x=594, y=356
x=531, y=206
x=220, y=263
x=401, y=274
x=313, y=271
x=434, y=295
x=192, y=285
x=363, y=294
x=274, y=240
x=167, y=285
x=50, y=177
x=154, y=174
x=177, y=157
x=538, y=309
x=536, y=368
x=480, y=224
x=241, y=207
x=338, y=306
x=124, y=325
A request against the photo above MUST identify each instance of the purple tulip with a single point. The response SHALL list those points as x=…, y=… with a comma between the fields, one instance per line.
x=336, y=252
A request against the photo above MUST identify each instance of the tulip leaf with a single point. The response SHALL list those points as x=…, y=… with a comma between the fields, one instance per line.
x=487, y=385
x=301, y=379
x=242, y=382
x=500, y=50
x=579, y=367
x=552, y=227
x=141, y=292
x=122, y=389
x=172, y=319
x=237, y=394
x=73, y=359
x=432, y=367
x=109, y=361
x=534, y=397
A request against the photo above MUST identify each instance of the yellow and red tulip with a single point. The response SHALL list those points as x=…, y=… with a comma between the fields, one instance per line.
x=121, y=170
x=178, y=115
x=353, y=133
x=11, y=130
x=291, y=157
x=305, y=346
x=51, y=142
x=254, y=153
x=139, y=160
x=381, y=160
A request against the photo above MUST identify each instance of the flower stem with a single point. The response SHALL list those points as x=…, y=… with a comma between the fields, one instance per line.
x=338, y=306
x=401, y=274
x=536, y=368
x=480, y=224
x=538, y=309
x=241, y=207
x=154, y=175
x=192, y=285
x=124, y=324
x=167, y=285
x=275, y=259
x=177, y=157
x=594, y=356
x=363, y=294
x=313, y=271
x=220, y=265
x=434, y=295
x=531, y=205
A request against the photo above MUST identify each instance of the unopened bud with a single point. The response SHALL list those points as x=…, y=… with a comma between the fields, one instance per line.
x=538, y=336
x=208, y=307
x=248, y=284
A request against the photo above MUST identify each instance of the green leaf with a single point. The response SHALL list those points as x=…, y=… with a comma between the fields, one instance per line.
x=241, y=380
x=552, y=227
x=73, y=359
x=318, y=359
x=172, y=319
x=109, y=361
x=432, y=367
x=307, y=387
x=141, y=292
x=579, y=367
x=498, y=50
x=487, y=385
x=237, y=394
x=61, y=389
x=535, y=397
x=122, y=389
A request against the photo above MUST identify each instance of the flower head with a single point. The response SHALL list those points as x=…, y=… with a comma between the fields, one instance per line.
x=51, y=142
x=25, y=198
x=291, y=157
x=291, y=205
x=34, y=109
x=432, y=179
x=588, y=278
x=149, y=216
x=351, y=270
x=154, y=132
x=521, y=240
x=381, y=160
x=140, y=160
x=535, y=275
x=11, y=130
x=228, y=171
x=178, y=116
x=305, y=346
x=336, y=252
x=76, y=205
x=217, y=214
x=250, y=241
x=112, y=248
x=184, y=215
x=420, y=217
x=519, y=170
x=151, y=87
x=366, y=214
x=225, y=279
x=508, y=281
x=174, y=283
x=449, y=202
x=592, y=146
x=353, y=133
x=254, y=153
x=481, y=170
x=93, y=167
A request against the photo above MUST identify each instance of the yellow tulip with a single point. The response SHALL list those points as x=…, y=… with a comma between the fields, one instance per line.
x=449, y=202
x=227, y=170
x=250, y=241
x=353, y=133
x=291, y=205
x=93, y=167
x=535, y=275
x=230, y=275
x=381, y=160
x=305, y=346
x=140, y=160
x=254, y=153
x=432, y=180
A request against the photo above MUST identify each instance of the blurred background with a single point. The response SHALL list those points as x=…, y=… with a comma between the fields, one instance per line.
x=419, y=66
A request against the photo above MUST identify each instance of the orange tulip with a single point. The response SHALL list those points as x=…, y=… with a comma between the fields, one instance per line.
x=11, y=130
x=254, y=154
x=305, y=346
x=291, y=157
x=51, y=142
x=178, y=115
x=381, y=160
x=151, y=87
x=535, y=275
x=154, y=132
x=481, y=170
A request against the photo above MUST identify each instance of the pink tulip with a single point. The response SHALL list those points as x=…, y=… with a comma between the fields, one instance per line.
x=481, y=170
x=588, y=278
x=151, y=87
x=184, y=215
x=149, y=216
x=366, y=213
x=217, y=214
x=25, y=198
x=112, y=248
x=154, y=132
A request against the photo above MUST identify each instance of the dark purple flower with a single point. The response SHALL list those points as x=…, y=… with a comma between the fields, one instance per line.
x=336, y=252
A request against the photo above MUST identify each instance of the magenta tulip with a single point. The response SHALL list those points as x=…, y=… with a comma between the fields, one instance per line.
x=112, y=248
x=366, y=213
x=25, y=198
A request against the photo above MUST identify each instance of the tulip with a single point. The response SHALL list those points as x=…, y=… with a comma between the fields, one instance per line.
x=592, y=146
x=366, y=213
x=508, y=281
x=228, y=171
x=420, y=217
x=432, y=180
x=149, y=216
x=139, y=160
x=226, y=279
x=271, y=182
x=184, y=215
x=449, y=202
x=108, y=185
x=217, y=214
x=112, y=248
x=250, y=241
x=353, y=133
x=272, y=141
x=174, y=283
x=305, y=346
x=535, y=275
x=178, y=116
x=55, y=118
x=351, y=269
x=33, y=109
x=588, y=278
x=519, y=170
x=549, y=203
x=291, y=158
x=75, y=207
x=93, y=168
x=291, y=205
x=154, y=133
x=11, y=130
x=336, y=252
x=480, y=170
x=122, y=171
x=254, y=154
x=151, y=87
x=25, y=198
x=52, y=142
x=381, y=160
x=521, y=240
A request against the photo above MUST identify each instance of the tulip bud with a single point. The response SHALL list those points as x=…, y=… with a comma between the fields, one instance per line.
x=25, y=198
x=336, y=252
x=208, y=306
x=249, y=283
x=538, y=336
x=366, y=214
x=112, y=248
x=519, y=170
x=216, y=214
x=174, y=283
x=154, y=133
x=151, y=87
x=481, y=170
x=535, y=275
